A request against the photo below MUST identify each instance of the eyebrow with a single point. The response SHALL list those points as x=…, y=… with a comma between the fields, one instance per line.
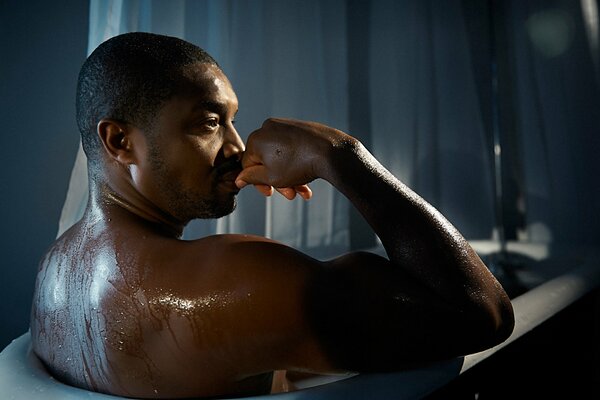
x=213, y=106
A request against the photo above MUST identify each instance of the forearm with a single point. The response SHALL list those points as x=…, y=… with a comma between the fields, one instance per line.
x=415, y=235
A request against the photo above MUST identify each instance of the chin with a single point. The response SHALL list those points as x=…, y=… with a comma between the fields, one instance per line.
x=217, y=209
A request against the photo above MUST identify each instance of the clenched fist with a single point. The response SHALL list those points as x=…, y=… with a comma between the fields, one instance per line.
x=287, y=155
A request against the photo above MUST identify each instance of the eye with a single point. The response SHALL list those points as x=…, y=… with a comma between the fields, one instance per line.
x=211, y=123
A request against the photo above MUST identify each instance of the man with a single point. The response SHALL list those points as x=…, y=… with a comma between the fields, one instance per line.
x=123, y=306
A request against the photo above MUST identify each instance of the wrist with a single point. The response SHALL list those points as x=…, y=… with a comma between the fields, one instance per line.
x=342, y=156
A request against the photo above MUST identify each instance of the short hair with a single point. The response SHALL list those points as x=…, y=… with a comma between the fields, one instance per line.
x=128, y=78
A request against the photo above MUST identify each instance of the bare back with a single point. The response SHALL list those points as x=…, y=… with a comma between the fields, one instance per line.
x=117, y=306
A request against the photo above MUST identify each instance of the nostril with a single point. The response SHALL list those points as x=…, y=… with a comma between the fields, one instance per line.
x=239, y=156
x=232, y=150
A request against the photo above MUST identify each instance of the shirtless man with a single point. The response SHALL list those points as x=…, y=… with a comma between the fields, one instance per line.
x=124, y=306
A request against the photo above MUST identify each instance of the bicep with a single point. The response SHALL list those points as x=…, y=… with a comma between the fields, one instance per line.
x=356, y=313
x=370, y=315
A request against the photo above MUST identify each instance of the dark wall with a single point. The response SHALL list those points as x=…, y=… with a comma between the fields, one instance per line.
x=558, y=359
x=42, y=45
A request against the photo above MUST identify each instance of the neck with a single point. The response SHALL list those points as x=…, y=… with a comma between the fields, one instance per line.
x=104, y=198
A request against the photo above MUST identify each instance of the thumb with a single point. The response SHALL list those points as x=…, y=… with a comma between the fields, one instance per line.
x=253, y=175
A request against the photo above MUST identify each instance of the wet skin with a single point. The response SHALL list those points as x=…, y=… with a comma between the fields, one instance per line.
x=123, y=306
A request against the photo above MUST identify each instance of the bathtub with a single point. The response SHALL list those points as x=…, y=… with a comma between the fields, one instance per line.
x=23, y=377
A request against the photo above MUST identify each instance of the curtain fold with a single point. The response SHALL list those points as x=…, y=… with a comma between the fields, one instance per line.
x=426, y=118
x=558, y=105
x=424, y=98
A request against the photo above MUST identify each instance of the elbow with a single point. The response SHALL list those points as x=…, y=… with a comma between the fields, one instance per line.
x=504, y=322
x=495, y=326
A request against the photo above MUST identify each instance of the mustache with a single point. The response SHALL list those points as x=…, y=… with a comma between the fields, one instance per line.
x=228, y=166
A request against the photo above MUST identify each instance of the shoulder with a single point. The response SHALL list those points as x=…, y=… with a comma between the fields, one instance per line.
x=235, y=301
x=245, y=272
x=242, y=255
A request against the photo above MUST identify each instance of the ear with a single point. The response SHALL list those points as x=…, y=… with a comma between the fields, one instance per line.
x=117, y=140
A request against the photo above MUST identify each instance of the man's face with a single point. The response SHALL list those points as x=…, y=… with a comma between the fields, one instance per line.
x=193, y=150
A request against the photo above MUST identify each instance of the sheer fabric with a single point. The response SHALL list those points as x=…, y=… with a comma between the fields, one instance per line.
x=424, y=99
x=557, y=100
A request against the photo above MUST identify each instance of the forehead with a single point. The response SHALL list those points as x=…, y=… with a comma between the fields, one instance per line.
x=202, y=81
x=201, y=88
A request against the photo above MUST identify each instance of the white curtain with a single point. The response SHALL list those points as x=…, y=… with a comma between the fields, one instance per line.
x=417, y=100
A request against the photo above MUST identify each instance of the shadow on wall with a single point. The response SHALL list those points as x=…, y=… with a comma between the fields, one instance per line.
x=43, y=45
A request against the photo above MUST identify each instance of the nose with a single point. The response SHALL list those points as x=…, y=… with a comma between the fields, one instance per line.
x=233, y=145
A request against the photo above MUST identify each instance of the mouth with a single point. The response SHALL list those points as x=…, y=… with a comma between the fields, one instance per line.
x=226, y=174
x=228, y=167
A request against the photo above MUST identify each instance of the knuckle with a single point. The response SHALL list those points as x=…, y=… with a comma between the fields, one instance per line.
x=268, y=122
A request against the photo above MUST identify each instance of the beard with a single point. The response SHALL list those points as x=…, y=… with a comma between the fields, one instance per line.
x=187, y=204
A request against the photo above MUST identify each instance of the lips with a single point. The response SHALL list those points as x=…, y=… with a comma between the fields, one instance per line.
x=228, y=166
x=226, y=174
x=227, y=182
x=230, y=175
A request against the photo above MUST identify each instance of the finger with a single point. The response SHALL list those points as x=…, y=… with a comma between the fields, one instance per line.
x=265, y=190
x=288, y=193
x=240, y=183
x=250, y=157
x=304, y=191
x=255, y=175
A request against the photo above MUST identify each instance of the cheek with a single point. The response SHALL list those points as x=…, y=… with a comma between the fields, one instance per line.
x=188, y=161
x=147, y=181
x=195, y=161
x=203, y=152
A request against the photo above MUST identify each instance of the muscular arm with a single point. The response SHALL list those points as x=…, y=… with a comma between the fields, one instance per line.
x=432, y=299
